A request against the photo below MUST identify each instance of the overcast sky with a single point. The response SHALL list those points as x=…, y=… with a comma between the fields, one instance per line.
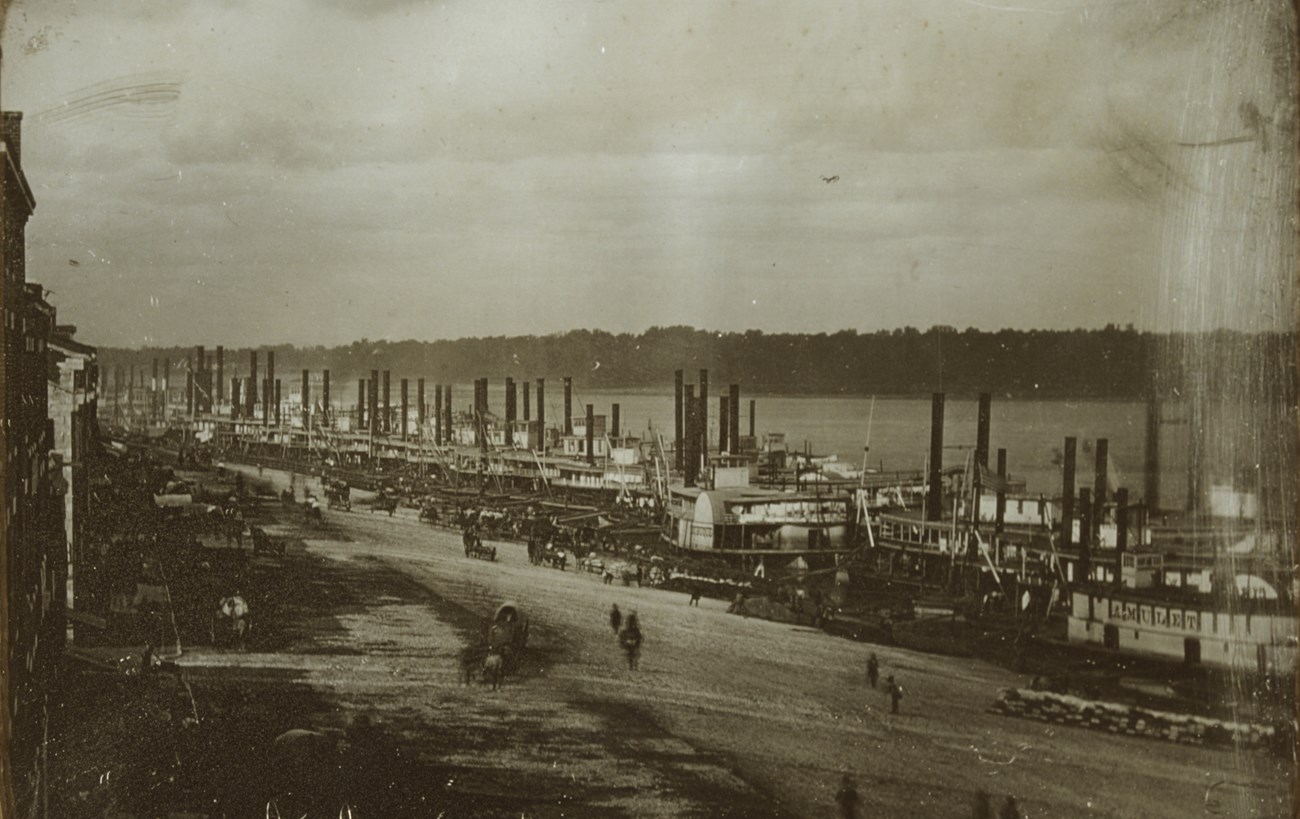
x=317, y=172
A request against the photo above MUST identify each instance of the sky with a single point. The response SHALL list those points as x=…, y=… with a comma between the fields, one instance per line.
x=315, y=172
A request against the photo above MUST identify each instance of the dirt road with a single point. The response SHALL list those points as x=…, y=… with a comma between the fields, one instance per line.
x=725, y=716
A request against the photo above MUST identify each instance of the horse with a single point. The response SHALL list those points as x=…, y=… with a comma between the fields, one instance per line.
x=493, y=669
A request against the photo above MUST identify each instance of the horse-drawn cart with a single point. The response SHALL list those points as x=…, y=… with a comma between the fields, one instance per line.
x=338, y=495
x=474, y=546
x=507, y=633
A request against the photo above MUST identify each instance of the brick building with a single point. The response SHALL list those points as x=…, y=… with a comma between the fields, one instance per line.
x=31, y=560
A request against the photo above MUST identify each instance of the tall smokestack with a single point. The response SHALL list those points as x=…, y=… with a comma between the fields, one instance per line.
x=404, y=388
x=437, y=414
x=1152, y=482
x=268, y=398
x=1001, y=513
x=361, y=404
x=614, y=431
x=1085, y=537
x=702, y=409
x=934, y=500
x=446, y=417
x=1099, y=485
x=421, y=408
x=981, y=450
x=591, y=435
x=372, y=411
x=541, y=411
x=1121, y=533
x=527, y=391
x=306, y=399
x=724, y=418
x=325, y=397
x=277, y=402
x=752, y=402
x=1067, y=493
x=250, y=400
x=388, y=403
x=690, y=438
x=511, y=399
x=221, y=378
x=733, y=424
x=166, y=386
x=235, y=405
x=568, y=405
x=679, y=428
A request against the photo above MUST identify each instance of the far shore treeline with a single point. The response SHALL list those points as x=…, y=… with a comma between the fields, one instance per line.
x=1114, y=362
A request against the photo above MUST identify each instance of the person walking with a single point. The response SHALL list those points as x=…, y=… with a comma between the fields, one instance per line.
x=630, y=638
x=615, y=618
x=873, y=669
x=895, y=692
x=847, y=798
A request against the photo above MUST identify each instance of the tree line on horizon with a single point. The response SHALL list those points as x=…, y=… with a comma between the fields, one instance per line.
x=1112, y=362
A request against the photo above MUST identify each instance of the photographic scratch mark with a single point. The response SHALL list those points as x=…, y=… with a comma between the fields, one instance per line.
x=993, y=7
x=143, y=96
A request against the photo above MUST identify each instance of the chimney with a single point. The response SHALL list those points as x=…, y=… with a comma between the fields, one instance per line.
x=13, y=135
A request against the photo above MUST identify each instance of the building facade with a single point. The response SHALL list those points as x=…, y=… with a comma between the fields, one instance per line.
x=31, y=565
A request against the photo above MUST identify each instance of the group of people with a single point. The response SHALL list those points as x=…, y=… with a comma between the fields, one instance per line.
x=628, y=631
